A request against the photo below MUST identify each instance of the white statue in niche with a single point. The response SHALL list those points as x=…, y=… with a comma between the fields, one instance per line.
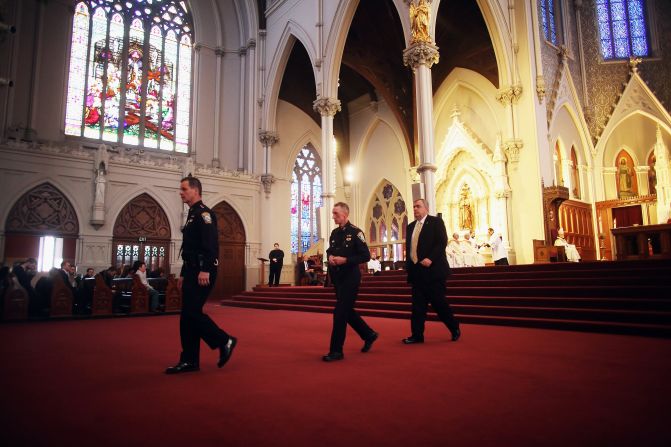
x=100, y=182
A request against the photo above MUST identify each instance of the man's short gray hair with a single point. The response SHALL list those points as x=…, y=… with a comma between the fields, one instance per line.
x=342, y=205
x=424, y=201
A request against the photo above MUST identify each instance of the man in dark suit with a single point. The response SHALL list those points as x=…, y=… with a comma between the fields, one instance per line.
x=306, y=269
x=427, y=269
x=276, y=260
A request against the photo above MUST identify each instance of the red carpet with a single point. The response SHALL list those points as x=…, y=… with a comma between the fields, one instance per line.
x=100, y=382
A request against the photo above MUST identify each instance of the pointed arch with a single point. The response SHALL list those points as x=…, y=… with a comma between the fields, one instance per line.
x=291, y=34
x=232, y=241
x=386, y=222
x=44, y=209
x=306, y=198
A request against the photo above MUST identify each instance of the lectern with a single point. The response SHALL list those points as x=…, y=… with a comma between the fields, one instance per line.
x=262, y=272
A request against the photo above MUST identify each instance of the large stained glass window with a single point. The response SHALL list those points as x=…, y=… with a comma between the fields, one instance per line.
x=549, y=20
x=306, y=197
x=130, y=73
x=622, y=28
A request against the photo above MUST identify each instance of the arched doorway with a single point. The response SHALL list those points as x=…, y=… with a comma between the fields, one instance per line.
x=142, y=232
x=232, y=240
x=42, y=224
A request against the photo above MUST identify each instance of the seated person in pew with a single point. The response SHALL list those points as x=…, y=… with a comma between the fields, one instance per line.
x=306, y=269
x=140, y=269
x=572, y=254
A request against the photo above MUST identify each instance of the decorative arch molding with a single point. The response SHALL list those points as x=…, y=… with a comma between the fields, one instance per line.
x=43, y=209
x=482, y=189
x=578, y=119
x=142, y=217
x=292, y=33
x=218, y=199
x=368, y=134
x=630, y=152
x=119, y=201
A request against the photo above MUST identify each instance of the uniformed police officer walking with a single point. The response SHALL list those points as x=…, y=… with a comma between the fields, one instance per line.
x=200, y=250
x=346, y=251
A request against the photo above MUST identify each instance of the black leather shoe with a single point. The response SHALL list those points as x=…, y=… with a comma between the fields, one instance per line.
x=456, y=334
x=413, y=340
x=226, y=351
x=369, y=343
x=182, y=367
x=333, y=356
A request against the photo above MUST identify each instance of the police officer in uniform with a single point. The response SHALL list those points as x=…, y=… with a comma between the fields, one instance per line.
x=346, y=251
x=200, y=249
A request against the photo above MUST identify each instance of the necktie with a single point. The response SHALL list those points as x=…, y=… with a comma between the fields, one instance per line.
x=413, y=241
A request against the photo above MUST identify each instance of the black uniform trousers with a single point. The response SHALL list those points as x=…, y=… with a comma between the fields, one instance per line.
x=193, y=323
x=275, y=271
x=425, y=292
x=347, y=289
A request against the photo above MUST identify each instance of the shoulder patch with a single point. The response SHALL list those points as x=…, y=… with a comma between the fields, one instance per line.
x=206, y=217
x=361, y=236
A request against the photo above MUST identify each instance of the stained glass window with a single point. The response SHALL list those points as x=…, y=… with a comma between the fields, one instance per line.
x=622, y=28
x=130, y=73
x=386, y=211
x=306, y=197
x=548, y=13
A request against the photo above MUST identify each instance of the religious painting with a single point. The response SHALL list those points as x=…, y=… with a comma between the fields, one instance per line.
x=625, y=176
x=652, y=174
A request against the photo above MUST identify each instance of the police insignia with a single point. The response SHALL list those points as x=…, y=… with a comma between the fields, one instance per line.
x=361, y=236
x=206, y=217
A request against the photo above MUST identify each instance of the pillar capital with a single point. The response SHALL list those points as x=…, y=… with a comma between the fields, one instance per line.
x=427, y=167
x=512, y=148
x=267, y=180
x=509, y=95
x=421, y=53
x=326, y=106
x=268, y=138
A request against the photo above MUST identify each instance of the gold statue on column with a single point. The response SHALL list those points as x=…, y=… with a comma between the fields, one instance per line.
x=419, y=21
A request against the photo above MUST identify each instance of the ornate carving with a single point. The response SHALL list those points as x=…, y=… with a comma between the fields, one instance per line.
x=512, y=149
x=419, y=21
x=142, y=217
x=634, y=62
x=509, y=95
x=540, y=87
x=43, y=208
x=326, y=106
x=421, y=53
x=229, y=224
x=268, y=138
x=267, y=180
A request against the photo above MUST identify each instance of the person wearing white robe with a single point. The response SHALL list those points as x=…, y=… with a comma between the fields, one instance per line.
x=471, y=257
x=499, y=252
x=571, y=251
x=455, y=255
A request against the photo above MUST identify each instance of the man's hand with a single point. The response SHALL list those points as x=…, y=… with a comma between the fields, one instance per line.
x=180, y=280
x=337, y=260
x=426, y=262
x=204, y=279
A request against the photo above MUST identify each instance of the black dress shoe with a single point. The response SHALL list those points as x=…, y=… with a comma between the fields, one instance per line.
x=413, y=340
x=182, y=367
x=333, y=356
x=369, y=343
x=226, y=351
x=456, y=334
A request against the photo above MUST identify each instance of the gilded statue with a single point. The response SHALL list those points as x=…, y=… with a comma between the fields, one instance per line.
x=465, y=209
x=419, y=20
x=625, y=182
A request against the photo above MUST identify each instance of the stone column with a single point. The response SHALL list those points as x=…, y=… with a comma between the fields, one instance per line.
x=219, y=53
x=420, y=56
x=267, y=139
x=663, y=173
x=327, y=108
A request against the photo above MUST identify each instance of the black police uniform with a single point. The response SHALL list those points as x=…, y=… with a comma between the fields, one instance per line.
x=200, y=250
x=347, y=241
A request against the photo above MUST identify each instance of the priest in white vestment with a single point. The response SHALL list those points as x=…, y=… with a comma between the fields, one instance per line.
x=471, y=256
x=571, y=252
x=455, y=255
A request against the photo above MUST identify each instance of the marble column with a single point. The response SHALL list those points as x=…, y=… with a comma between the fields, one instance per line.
x=267, y=139
x=663, y=173
x=327, y=108
x=421, y=56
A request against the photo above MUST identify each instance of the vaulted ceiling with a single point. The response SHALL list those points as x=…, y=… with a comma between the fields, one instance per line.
x=372, y=63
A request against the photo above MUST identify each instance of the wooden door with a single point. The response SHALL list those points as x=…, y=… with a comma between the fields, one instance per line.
x=232, y=241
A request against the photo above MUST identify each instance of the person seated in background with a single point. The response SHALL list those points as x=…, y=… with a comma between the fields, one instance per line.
x=306, y=269
x=90, y=273
x=455, y=255
x=374, y=265
x=471, y=257
x=572, y=254
x=108, y=275
x=140, y=269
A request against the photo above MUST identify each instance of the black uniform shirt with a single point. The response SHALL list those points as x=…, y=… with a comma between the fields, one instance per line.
x=200, y=245
x=277, y=254
x=348, y=241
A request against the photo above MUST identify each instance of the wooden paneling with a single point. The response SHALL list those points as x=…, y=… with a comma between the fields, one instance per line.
x=231, y=271
x=576, y=219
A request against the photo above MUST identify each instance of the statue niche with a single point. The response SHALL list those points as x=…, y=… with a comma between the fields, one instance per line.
x=466, y=211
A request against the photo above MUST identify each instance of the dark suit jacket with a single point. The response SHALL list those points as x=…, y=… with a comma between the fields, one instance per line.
x=431, y=244
x=301, y=267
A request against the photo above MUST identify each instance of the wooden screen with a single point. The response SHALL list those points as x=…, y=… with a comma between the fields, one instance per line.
x=576, y=219
x=232, y=241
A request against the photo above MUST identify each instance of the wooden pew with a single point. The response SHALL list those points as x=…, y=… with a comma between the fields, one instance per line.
x=61, y=298
x=103, y=297
x=16, y=301
x=139, y=298
x=173, y=295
